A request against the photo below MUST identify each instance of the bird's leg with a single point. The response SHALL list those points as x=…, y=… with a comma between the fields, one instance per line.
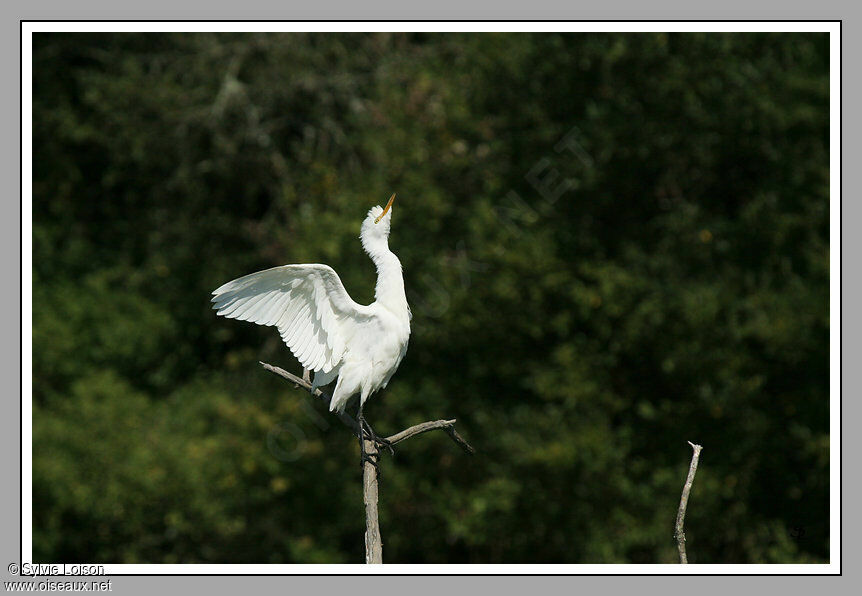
x=306, y=375
x=372, y=458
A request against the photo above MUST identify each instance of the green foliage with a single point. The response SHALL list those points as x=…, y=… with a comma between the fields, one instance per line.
x=675, y=289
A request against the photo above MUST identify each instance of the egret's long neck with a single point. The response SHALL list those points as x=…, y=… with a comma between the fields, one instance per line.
x=390, y=280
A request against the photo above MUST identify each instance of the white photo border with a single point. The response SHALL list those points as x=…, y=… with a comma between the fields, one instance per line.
x=833, y=27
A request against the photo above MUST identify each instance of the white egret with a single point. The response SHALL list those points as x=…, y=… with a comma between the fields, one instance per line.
x=324, y=328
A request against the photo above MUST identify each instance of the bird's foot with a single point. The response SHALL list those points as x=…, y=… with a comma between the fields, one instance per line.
x=372, y=458
x=366, y=433
x=378, y=440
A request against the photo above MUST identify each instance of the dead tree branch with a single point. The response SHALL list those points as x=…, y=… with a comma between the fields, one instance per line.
x=370, y=485
x=679, y=534
x=446, y=425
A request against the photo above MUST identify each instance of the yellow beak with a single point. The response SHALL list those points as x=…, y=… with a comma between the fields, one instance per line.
x=388, y=205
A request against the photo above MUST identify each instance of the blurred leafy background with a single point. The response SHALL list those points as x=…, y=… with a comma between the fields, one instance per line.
x=612, y=244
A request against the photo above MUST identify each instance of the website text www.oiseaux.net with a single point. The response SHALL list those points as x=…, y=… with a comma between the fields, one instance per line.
x=53, y=585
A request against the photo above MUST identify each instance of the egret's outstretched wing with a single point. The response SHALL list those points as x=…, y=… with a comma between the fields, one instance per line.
x=307, y=303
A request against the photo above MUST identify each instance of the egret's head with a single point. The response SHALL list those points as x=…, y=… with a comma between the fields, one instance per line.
x=377, y=222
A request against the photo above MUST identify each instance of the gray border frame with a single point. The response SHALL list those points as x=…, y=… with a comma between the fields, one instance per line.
x=389, y=10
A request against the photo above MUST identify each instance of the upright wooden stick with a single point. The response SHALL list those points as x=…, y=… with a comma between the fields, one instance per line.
x=683, y=503
x=373, y=542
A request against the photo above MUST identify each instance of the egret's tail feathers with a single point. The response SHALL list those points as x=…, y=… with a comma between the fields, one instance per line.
x=338, y=405
x=340, y=396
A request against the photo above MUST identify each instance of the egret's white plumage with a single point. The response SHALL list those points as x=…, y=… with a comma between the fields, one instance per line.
x=325, y=329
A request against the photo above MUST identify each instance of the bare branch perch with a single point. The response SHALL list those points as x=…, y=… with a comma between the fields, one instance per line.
x=370, y=486
x=447, y=425
x=683, y=503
